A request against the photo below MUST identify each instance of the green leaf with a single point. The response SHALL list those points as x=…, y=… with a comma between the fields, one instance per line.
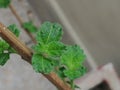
x=3, y=58
x=30, y=27
x=49, y=32
x=49, y=47
x=61, y=73
x=55, y=48
x=72, y=59
x=51, y=50
x=3, y=46
x=75, y=73
x=13, y=28
x=5, y=50
x=42, y=65
x=4, y=3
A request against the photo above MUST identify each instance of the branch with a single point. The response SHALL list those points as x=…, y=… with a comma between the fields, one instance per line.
x=26, y=54
x=21, y=22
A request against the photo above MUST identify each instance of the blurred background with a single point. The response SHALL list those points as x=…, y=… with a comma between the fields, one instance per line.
x=93, y=24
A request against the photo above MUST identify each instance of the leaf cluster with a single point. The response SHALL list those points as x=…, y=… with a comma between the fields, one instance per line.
x=52, y=55
x=72, y=59
x=48, y=48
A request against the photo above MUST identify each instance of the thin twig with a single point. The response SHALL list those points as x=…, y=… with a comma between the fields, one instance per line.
x=21, y=22
x=26, y=54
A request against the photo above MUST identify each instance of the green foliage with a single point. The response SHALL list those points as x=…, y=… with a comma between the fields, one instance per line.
x=51, y=50
x=4, y=54
x=52, y=55
x=72, y=59
x=3, y=58
x=4, y=3
x=30, y=27
x=13, y=28
x=49, y=32
x=48, y=47
x=5, y=48
x=41, y=64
